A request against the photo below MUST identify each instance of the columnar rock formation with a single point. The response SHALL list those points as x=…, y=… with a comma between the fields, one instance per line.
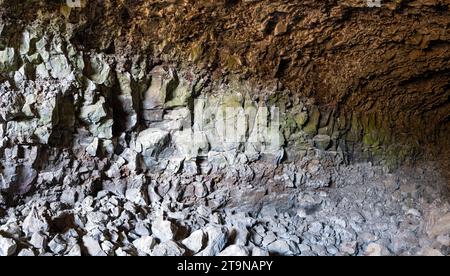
x=120, y=119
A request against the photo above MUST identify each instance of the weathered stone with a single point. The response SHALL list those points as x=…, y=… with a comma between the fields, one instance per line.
x=258, y=252
x=7, y=60
x=59, y=67
x=441, y=227
x=168, y=248
x=35, y=222
x=313, y=122
x=92, y=148
x=26, y=253
x=195, y=242
x=93, y=246
x=235, y=251
x=93, y=114
x=155, y=96
x=217, y=239
x=376, y=250
x=98, y=69
x=7, y=246
x=145, y=244
x=164, y=230
x=38, y=240
x=57, y=245
x=322, y=142
x=152, y=140
x=283, y=248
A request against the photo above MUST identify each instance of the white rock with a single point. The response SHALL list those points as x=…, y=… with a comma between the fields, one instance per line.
x=35, y=222
x=75, y=251
x=217, y=239
x=430, y=252
x=26, y=253
x=169, y=248
x=145, y=244
x=164, y=230
x=7, y=246
x=258, y=252
x=38, y=240
x=195, y=241
x=93, y=246
x=376, y=250
x=283, y=248
x=349, y=247
x=234, y=251
x=151, y=138
x=57, y=245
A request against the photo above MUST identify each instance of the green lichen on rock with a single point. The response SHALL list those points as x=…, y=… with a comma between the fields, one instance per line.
x=313, y=122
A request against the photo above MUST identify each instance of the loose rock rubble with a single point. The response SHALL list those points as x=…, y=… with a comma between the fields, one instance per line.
x=365, y=212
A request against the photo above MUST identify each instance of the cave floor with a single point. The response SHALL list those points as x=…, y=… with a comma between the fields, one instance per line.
x=371, y=212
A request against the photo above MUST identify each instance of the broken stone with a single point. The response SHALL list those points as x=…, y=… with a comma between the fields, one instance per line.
x=38, y=240
x=441, y=227
x=376, y=250
x=26, y=253
x=259, y=252
x=217, y=239
x=283, y=248
x=93, y=114
x=322, y=142
x=152, y=140
x=57, y=245
x=195, y=241
x=93, y=246
x=168, y=248
x=92, y=148
x=145, y=244
x=234, y=251
x=7, y=246
x=163, y=83
x=164, y=230
x=35, y=222
x=75, y=251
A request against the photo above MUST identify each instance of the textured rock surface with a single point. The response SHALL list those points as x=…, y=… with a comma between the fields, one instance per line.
x=169, y=128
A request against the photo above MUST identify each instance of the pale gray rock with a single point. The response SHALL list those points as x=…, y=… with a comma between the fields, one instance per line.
x=195, y=242
x=235, y=251
x=217, y=239
x=93, y=246
x=57, y=245
x=35, y=222
x=259, y=252
x=38, y=240
x=168, y=248
x=151, y=139
x=26, y=253
x=164, y=230
x=7, y=246
x=145, y=244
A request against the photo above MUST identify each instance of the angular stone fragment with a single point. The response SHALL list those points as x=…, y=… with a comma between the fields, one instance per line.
x=35, y=222
x=93, y=246
x=322, y=142
x=217, y=239
x=7, y=246
x=195, y=241
x=169, y=248
x=145, y=244
x=152, y=140
x=164, y=230
x=234, y=251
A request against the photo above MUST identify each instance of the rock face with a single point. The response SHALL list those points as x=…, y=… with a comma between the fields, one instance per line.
x=231, y=130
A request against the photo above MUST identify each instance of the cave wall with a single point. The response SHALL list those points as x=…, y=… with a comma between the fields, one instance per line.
x=371, y=83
